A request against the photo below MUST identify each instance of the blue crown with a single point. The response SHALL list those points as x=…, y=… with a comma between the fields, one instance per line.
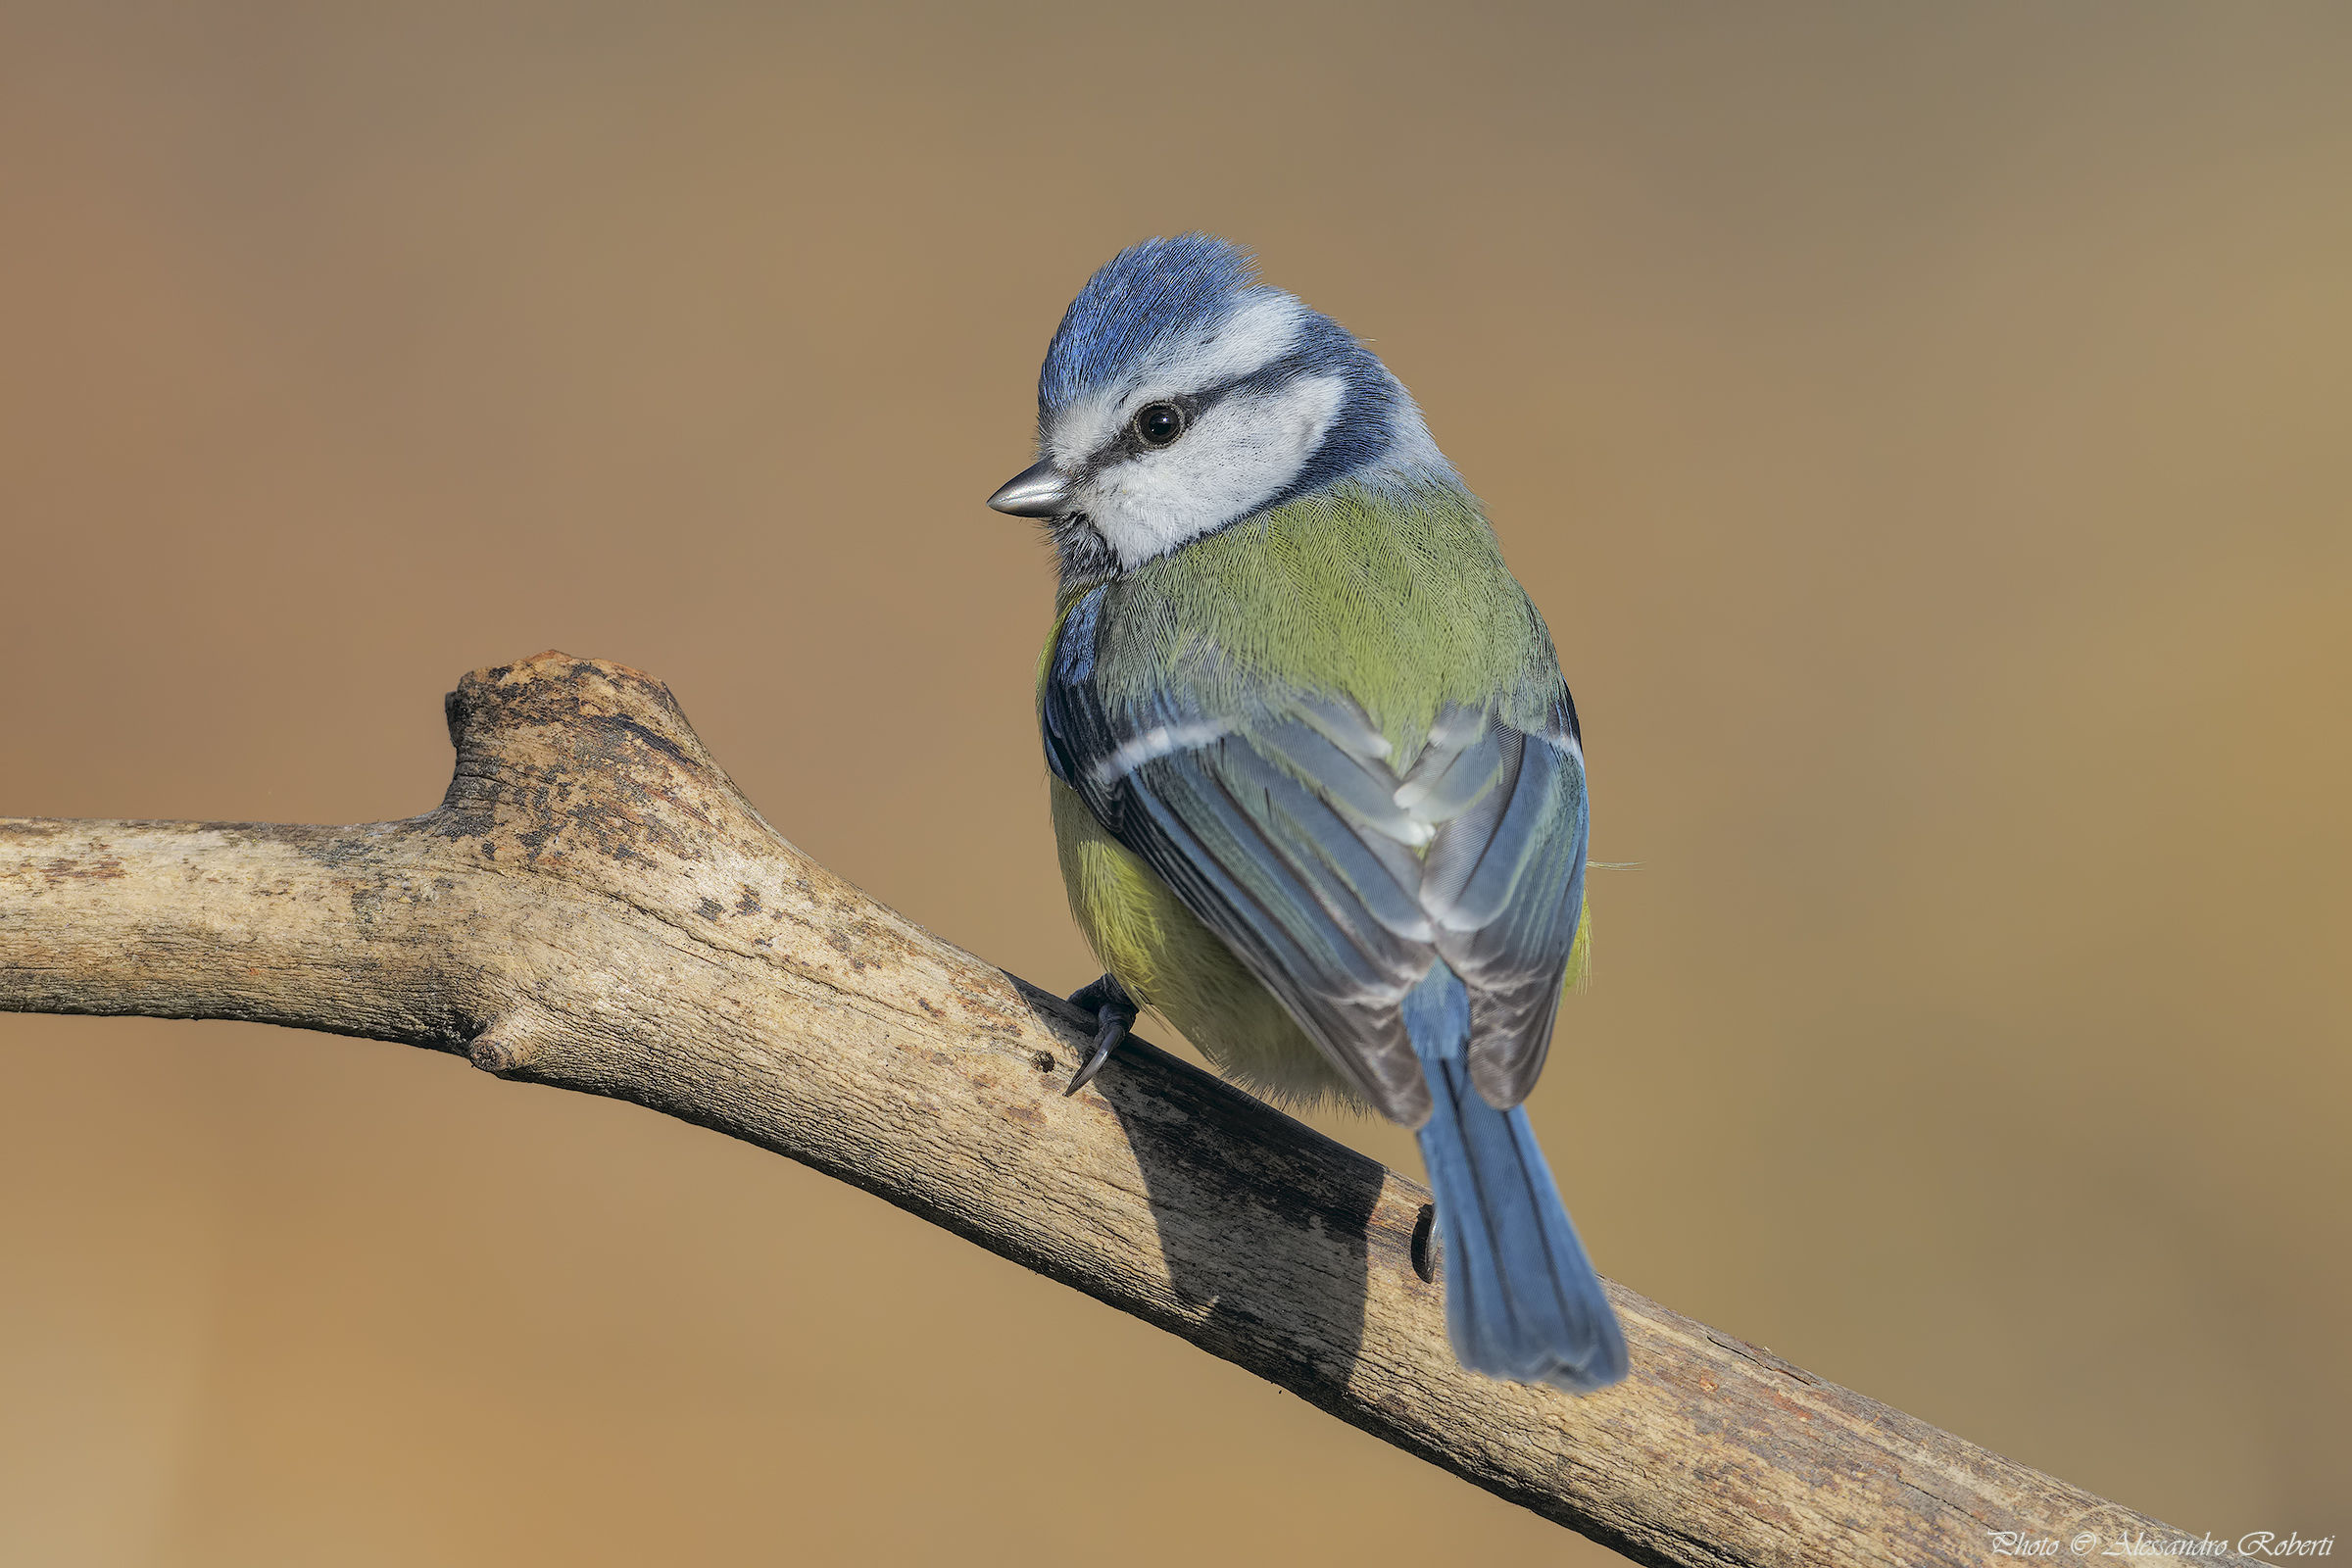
x=1143, y=295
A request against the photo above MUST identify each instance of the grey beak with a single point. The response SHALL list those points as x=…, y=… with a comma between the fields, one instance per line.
x=1034, y=492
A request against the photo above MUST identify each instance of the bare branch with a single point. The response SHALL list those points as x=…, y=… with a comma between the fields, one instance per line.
x=595, y=907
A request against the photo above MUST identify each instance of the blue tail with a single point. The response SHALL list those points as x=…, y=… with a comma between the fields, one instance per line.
x=1522, y=1302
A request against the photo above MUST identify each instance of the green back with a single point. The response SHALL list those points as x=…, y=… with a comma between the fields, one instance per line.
x=1398, y=600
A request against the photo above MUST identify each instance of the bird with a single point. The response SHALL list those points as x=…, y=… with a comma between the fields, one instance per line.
x=1317, y=783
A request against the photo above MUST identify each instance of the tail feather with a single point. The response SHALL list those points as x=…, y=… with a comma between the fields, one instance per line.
x=1522, y=1302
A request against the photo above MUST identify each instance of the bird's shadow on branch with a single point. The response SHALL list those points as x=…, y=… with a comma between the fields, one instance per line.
x=1267, y=1226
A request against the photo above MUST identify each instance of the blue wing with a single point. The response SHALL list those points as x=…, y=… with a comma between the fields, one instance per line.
x=1338, y=872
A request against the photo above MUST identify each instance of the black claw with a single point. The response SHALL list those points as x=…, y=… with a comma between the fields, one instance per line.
x=1114, y=1013
x=1107, y=1040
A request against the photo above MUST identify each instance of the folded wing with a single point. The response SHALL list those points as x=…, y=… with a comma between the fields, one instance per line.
x=1336, y=871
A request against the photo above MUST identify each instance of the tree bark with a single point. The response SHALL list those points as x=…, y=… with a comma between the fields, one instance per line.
x=595, y=907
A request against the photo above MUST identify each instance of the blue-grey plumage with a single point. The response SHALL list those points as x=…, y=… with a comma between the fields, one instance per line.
x=1317, y=782
x=1521, y=1299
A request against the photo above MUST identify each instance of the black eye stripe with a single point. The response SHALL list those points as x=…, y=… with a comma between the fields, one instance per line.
x=1273, y=373
x=1270, y=375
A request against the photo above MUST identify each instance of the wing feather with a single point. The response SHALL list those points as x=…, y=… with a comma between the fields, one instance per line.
x=1337, y=875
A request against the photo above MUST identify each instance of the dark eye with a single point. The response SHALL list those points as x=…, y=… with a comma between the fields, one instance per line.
x=1158, y=423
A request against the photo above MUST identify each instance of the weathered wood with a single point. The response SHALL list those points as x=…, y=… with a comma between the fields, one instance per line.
x=596, y=906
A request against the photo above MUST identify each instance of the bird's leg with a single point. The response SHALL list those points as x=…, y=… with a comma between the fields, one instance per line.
x=1114, y=1013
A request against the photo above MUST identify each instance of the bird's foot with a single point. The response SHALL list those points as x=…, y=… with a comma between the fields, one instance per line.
x=1115, y=1014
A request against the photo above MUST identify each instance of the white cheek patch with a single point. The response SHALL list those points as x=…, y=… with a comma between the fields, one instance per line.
x=1261, y=329
x=1241, y=454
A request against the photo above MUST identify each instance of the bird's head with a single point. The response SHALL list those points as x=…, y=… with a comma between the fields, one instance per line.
x=1180, y=395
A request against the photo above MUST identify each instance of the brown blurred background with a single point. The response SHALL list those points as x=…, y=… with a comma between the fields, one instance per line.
x=1926, y=430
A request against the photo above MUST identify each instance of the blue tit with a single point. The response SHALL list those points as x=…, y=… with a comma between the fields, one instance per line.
x=1317, y=783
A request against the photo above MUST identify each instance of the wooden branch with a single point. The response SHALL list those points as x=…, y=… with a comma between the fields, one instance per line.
x=596, y=906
